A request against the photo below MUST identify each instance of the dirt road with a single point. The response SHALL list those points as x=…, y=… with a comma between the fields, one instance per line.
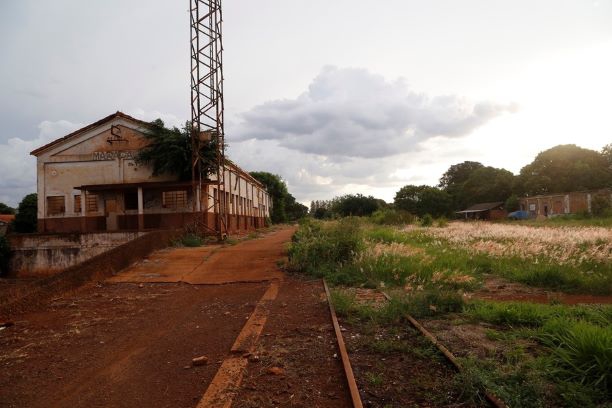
x=130, y=341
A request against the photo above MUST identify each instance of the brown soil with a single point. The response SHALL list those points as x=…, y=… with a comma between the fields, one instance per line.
x=131, y=344
x=398, y=367
x=122, y=345
x=496, y=288
x=297, y=361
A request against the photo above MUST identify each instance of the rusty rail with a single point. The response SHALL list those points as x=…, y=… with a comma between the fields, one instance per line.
x=491, y=398
x=346, y=363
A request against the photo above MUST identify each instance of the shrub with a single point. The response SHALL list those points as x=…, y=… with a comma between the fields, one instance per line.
x=317, y=247
x=192, y=240
x=600, y=206
x=26, y=218
x=426, y=221
x=581, y=351
x=390, y=216
x=4, y=255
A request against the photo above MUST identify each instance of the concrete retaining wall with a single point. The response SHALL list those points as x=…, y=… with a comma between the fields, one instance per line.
x=99, y=267
x=35, y=255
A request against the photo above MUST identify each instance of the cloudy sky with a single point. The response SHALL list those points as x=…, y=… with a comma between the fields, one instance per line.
x=335, y=96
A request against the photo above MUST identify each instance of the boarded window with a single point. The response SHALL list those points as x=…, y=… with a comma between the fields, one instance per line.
x=92, y=202
x=174, y=199
x=77, y=204
x=130, y=199
x=56, y=205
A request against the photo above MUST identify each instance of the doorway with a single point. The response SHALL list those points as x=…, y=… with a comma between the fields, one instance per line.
x=110, y=211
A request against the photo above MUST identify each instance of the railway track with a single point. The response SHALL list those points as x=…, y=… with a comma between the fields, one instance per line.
x=348, y=370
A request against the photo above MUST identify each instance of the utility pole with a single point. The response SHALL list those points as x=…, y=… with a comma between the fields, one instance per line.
x=207, y=104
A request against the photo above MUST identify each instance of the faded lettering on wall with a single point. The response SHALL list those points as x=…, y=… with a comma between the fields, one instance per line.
x=124, y=154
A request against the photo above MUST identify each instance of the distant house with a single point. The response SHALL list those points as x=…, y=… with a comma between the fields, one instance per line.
x=5, y=220
x=562, y=203
x=484, y=211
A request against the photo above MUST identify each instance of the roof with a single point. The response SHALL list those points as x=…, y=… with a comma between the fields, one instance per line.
x=6, y=218
x=482, y=207
x=245, y=174
x=122, y=115
x=115, y=115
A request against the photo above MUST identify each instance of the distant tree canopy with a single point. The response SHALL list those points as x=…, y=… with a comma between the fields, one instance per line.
x=26, y=219
x=321, y=209
x=566, y=168
x=355, y=205
x=470, y=183
x=488, y=184
x=347, y=205
x=5, y=209
x=284, y=206
x=421, y=200
x=169, y=151
x=295, y=210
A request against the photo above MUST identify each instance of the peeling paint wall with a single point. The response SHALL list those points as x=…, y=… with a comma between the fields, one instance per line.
x=46, y=254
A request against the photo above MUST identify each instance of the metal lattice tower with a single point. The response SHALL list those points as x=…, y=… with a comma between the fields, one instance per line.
x=207, y=102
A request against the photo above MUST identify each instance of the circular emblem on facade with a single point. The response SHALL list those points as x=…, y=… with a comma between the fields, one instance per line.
x=54, y=172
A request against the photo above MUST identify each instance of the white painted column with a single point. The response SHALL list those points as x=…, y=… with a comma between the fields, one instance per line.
x=140, y=201
x=140, y=209
x=83, y=204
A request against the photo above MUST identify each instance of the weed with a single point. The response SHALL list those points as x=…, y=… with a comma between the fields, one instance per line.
x=581, y=351
x=374, y=379
x=426, y=221
x=389, y=216
x=191, y=240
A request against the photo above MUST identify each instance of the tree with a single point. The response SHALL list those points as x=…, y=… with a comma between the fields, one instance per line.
x=294, y=210
x=488, y=184
x=320, y=209
x=5, y=251
x=278, y=192
x=565, y=168
x=606, y=152
x=512, y=203
x=169, y=151
x=26, y=219
x=5, y=209
x=355, y=205
x=421, y=200
x=454, y=179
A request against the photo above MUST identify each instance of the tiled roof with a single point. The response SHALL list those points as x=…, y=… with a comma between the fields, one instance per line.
x=6, y=218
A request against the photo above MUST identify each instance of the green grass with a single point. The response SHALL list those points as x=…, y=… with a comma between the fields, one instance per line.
x=576, y=220
x=577, y=340
x=515, y=314
x=571, y=362
x=191, y=240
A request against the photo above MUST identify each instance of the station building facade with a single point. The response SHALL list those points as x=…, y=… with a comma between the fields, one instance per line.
x=89, y=181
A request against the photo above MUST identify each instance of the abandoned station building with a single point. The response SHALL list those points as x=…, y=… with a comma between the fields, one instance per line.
x=90, y=181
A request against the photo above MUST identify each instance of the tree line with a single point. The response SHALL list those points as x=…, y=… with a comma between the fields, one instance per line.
x=561, y=169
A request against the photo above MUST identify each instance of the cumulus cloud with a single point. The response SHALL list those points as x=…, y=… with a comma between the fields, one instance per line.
x=18, y=168
x=169, y=119
x=355, y=113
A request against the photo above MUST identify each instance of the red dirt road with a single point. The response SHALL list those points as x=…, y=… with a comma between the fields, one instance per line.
x=122, y=344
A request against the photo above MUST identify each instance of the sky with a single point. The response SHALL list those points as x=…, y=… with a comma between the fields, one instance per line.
x=337, y=97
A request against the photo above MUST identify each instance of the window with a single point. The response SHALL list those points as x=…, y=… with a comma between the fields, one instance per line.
x=130, y=199
x=174, y=199
x=56, y=205
x=77, y=203
x=92, y=202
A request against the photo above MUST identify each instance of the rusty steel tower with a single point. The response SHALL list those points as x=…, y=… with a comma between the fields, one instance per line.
x=207, y=106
